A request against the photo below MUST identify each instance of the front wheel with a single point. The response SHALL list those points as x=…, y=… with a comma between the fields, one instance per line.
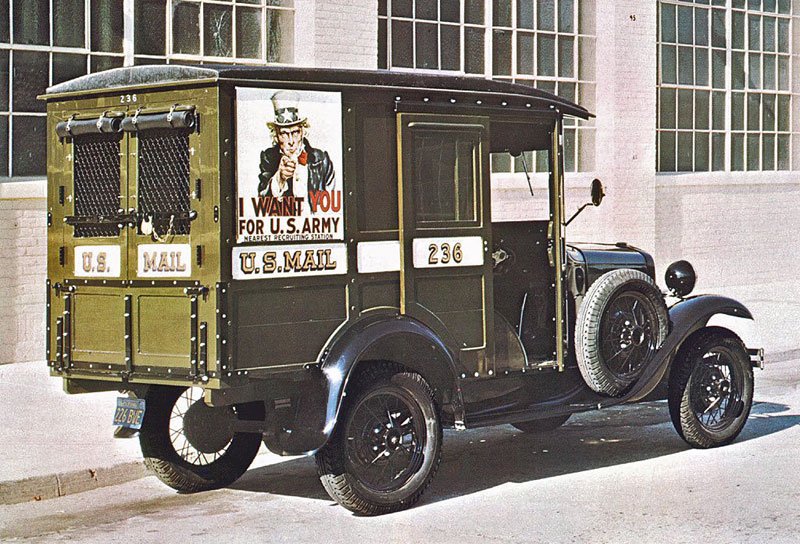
x=191, y=446
x=387, y=446
x=711, y=390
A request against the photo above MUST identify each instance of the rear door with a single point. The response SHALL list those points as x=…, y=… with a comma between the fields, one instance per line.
x=94, y=185
x=445, y=230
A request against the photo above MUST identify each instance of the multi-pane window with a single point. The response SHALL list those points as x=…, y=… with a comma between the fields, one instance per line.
x=726, y=91
x=45, y=42
x=41, y=43
x=214, y=30
x=549, y=44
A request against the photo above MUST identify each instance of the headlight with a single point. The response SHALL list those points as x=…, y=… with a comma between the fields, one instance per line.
x=680, y=278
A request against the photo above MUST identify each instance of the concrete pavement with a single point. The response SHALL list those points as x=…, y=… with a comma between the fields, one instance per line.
x=54, y=444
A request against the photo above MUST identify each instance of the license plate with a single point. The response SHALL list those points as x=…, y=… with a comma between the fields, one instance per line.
x=129, y=413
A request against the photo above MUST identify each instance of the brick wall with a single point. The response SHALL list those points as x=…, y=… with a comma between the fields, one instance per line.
x=346, y=34
x=736, y=230
x=23, y=256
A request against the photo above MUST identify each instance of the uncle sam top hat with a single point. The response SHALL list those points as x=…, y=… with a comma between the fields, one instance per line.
x=286, y=108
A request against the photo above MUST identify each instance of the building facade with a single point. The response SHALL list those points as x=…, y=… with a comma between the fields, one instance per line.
x=697, y=135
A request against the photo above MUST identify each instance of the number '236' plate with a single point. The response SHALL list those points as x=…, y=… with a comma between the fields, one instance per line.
x=129, y=413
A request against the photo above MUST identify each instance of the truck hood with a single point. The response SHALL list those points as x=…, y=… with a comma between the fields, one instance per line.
x=597, y=259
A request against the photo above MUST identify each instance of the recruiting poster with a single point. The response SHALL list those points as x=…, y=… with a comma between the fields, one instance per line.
x=288, y=165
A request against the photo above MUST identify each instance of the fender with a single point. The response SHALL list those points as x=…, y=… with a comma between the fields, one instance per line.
x=686, y=317
x=319, y=398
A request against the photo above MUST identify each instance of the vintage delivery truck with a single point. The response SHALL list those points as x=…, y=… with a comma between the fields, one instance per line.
x=308, y=258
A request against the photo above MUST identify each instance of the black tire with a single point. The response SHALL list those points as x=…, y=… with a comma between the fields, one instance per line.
x=537, y=426
x=390, y=422
x=711, y=389
x=200, y=454
x=621, y=323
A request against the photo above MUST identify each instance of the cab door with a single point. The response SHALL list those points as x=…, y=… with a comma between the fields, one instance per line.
x=445, y=231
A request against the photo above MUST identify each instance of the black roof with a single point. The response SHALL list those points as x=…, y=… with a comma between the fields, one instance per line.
x=148, y=75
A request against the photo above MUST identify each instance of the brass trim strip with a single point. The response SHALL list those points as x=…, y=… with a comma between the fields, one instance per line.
x=128, y=335
x=66, y=352
x=193, y=341
x=558, y=240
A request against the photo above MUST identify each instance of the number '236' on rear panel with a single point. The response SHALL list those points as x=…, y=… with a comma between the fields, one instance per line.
x=448, y=251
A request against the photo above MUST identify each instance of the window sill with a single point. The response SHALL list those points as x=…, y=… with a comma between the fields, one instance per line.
x=20, y=188
x=718, y=179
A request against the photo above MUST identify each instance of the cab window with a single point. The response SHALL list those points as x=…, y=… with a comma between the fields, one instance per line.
x=446, y=167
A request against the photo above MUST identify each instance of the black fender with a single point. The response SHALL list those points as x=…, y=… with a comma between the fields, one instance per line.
x=686, y=317
x=319, y=399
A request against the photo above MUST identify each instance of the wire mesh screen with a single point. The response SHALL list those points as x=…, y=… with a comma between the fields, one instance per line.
x=164, y=179
x=97, y=182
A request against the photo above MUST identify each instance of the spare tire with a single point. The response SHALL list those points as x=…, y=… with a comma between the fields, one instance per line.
x=621, y=324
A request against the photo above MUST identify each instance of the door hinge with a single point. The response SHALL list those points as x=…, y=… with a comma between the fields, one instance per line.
x=62, y=255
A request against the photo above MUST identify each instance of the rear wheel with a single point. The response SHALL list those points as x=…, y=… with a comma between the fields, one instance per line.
x=387, y=446
x=536, y=426
x=711, y=390
x=191, y=446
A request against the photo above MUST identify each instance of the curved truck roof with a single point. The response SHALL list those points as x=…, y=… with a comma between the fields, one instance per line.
x=164, y=74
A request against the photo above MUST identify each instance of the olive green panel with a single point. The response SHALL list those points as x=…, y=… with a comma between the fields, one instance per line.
x=285, y=326
x=98, y=327
x=164, y=328
x=160, y=313
x=460, y=310
x=439, y=295
x=380, y=293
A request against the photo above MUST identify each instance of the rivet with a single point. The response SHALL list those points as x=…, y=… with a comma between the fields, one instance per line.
x=477, y=374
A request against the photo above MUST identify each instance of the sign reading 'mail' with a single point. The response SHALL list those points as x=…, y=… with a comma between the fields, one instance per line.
x=97, y=261
x=164, y=261
x=259, y=262
x=448, y=251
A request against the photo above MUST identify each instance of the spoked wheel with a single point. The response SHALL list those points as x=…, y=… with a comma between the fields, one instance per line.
x=387, y=447
x=537, y=426
x=621, y=324
x=192, y=446
x=628, y=336
x=711, y=390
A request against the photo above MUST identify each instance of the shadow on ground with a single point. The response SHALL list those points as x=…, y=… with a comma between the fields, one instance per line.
x=481, y=459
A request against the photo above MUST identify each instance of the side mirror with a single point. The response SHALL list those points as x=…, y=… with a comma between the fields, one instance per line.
x=597, y=197
x=597, y=192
